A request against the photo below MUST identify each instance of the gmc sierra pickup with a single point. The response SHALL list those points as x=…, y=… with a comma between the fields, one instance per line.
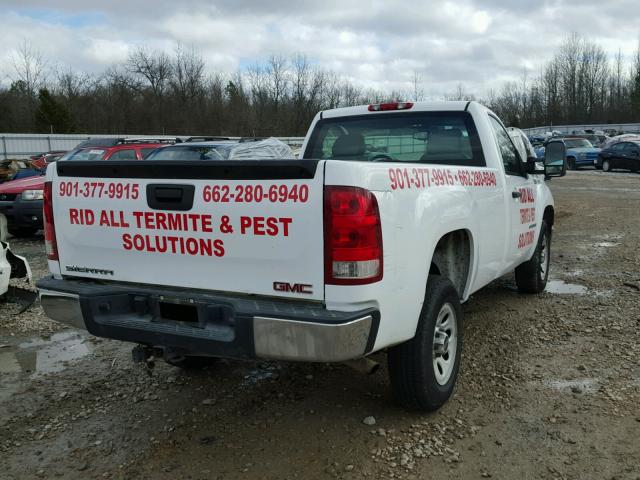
x=395, y=214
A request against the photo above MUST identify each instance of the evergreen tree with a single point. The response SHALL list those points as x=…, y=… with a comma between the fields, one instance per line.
x=51, y=115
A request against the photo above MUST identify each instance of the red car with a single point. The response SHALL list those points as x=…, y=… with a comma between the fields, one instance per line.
x=21, y=200
x=115, y=149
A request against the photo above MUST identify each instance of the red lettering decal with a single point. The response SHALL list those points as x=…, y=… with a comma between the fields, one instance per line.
x=272, y=226
x=126, y=241
x=206, y=224
x=148, y=220
x=104, y=220
x=73, y=216
x=285, y=225
x=161, y=221
x=219, y=248
x=137, y=216
x=123, y=222
x=245, y=222
x=258, y=226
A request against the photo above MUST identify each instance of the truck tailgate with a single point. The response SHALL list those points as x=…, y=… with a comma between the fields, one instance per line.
x=250, y=227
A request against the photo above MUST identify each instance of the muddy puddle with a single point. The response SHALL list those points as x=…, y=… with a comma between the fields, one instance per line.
x=38, y=356
x=562, y=287
x=585, y=385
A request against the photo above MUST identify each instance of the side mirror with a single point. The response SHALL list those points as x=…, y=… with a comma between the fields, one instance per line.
x=533, y=165
x=555, y=160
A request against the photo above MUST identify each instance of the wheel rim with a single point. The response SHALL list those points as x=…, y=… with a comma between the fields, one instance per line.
x=445, y=343
x=605, y=165
x=545, y=256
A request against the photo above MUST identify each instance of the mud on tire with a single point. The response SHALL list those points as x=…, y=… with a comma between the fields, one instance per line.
x=531, y=276
x=417, y=382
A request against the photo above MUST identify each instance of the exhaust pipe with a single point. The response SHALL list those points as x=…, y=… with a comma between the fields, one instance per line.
x=363, y=365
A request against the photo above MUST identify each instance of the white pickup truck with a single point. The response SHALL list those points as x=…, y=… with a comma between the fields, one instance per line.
x=395, y=214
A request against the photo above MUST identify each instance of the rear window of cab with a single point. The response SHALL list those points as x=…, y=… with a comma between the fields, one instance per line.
x=445, y=138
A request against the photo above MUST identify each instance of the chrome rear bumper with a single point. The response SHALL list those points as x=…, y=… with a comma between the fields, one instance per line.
x=226, y=326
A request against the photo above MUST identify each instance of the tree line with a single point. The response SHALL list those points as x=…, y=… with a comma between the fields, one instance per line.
x=580, y=84
x=156, y=92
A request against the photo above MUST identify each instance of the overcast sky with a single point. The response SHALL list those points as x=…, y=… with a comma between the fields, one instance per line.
x=374, y=43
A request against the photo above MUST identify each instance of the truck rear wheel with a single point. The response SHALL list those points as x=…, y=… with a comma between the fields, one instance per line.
x=531, y=276
x=423, y=370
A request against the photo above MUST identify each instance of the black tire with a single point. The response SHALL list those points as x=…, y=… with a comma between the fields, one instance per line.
x=606, y=165
x=411, y=364
x=531, y=276
x=22, y=232
x=190, y=362
x=571, y=163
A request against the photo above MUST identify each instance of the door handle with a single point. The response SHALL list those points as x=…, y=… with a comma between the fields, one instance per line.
x=516, y=194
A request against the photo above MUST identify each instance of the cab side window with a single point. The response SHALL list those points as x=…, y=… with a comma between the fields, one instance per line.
x=510, y=156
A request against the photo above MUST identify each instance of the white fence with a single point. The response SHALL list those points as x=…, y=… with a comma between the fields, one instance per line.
x=618, y=127
x=23, y=145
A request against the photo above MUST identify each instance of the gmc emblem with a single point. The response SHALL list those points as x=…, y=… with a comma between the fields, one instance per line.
x=293, y=287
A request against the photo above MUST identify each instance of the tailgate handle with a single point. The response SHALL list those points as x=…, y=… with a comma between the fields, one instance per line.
x=165, y=196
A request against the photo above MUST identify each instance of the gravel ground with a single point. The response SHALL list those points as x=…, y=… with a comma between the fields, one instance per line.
x=549, y=385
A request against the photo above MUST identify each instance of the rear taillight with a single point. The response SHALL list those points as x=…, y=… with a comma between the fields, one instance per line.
x=50, y=244
x=352, y=236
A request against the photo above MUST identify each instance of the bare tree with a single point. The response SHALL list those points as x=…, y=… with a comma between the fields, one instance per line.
x=460, y=94
x=278, y=79
x=188, y=71
x=155, y=67
x=29, y=67
x=416, y=84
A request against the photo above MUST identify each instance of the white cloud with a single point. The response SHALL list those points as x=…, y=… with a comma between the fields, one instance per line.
x=376, y=43
x=106, y=52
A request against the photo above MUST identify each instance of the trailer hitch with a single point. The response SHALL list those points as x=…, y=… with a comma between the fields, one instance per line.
x=145, y=356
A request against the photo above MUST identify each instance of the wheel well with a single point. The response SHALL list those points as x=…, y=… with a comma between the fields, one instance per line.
x=549, y=215
x=452, y=258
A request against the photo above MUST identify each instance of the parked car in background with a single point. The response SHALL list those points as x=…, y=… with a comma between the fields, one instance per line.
x=539, y=150
x=21, y=199
x=596, y=140
x=43, y=159
x=625, y=137
x=622, y=155
x=580, y=152
x=21, y=204
x=252, y=149
x=115, y=149
x=25, y=173
x=537, y=139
